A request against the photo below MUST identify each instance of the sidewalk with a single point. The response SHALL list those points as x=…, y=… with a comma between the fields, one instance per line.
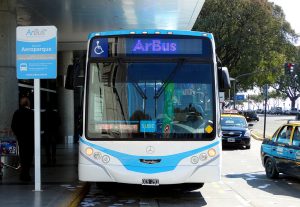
x=60, y=185
x=258, y=135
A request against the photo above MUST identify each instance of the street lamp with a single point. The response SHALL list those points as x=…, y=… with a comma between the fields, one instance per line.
x=234, y=84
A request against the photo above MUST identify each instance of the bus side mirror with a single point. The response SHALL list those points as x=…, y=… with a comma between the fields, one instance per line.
x=224, y=79
x=73, y=79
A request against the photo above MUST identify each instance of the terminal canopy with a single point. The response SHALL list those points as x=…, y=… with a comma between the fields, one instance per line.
x=75, y=19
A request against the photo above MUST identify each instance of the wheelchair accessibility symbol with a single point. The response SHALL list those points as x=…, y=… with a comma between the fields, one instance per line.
x=98, y=49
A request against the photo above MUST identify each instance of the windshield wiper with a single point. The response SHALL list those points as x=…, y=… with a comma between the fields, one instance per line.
x=135, y=84
x=168, y=80
x=139, y=90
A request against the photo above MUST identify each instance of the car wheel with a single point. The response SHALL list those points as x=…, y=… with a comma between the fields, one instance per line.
x=271, y=170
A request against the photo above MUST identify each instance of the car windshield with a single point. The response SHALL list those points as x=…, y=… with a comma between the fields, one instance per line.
x=150, y=100
x=234, y=121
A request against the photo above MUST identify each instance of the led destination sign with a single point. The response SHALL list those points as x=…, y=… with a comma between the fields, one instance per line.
x=136, y=46
x=149, y=46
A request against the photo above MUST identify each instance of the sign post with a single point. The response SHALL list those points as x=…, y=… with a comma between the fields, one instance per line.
x=36, y=49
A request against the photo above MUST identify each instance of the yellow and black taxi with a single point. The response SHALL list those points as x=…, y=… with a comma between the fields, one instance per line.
x=235, y=130
x=281, y=153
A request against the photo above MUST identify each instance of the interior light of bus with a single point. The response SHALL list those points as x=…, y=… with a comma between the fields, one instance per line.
x=105, y=159
x=156, y=32
x=97, y=155
x=89, y=151
x=132, y=33
x=203, y=156
x=194, y=159
x=211, y=152
x=205, y=34
x=169, y=32
x=144, y=32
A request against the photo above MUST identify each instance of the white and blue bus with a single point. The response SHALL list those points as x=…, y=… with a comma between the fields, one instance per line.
x=151, y=108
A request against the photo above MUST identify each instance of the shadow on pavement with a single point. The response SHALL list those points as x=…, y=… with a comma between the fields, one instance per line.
x=116, y=194
x=233, y=148
x=284, y=185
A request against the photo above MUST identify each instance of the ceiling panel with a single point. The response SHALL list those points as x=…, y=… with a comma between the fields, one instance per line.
x=75, y=19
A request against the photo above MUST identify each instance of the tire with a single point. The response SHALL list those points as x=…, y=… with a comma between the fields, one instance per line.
x=248, y=146
x=271, y=170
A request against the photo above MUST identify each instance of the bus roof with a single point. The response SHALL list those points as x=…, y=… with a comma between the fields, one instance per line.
x=151, y=31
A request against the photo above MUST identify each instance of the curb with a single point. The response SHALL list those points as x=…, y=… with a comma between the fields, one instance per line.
x=256, y=136
x=76, y=196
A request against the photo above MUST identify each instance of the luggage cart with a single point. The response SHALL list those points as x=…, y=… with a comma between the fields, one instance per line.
x=9, y=152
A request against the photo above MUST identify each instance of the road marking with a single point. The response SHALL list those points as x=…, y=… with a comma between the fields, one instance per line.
x=264, y=186
x=148, y=202
x=244, y=201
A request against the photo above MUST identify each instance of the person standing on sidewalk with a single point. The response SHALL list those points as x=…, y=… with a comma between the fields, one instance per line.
x=23, y=127
x=52, y=122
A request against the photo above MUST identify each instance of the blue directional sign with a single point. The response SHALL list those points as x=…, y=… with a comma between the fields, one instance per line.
x=36, y=49
x=147, y=126
x=240, y=97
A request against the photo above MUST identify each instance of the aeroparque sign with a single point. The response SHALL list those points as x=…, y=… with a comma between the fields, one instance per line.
x=36, y=49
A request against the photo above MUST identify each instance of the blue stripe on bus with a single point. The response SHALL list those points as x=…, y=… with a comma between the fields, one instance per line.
x=149, y=31
x=132, y=162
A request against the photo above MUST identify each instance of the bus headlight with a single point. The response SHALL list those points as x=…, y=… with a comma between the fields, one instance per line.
x=89, y=151
x=194, y=160
x=211, y=152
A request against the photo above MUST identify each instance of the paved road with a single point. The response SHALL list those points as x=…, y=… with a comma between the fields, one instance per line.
x=272, y=123
x=243, y=184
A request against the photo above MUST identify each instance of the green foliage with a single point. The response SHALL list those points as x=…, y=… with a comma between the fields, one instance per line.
x=251, y=35
x=277, y=95
x=257, y=98
x=289, y=85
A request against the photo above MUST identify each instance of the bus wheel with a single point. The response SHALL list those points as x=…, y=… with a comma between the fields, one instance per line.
x=271, y=170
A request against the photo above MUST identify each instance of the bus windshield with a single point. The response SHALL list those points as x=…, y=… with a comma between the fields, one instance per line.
x=150, y=100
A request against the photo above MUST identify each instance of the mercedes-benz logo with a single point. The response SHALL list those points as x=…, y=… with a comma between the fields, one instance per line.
x=150, y=149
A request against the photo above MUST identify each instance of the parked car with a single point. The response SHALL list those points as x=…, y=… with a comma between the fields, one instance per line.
x=281, y=154
x=293, y=111
x=235, y=130
x=276, y=110
x=251, y=116
x=260, y=111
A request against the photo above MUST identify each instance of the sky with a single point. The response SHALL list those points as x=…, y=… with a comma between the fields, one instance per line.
x=291, y=11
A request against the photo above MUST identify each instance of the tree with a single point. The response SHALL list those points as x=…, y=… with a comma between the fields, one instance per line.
x=288, y=85
x=256, y=99
x=277, y=96
x=250, y=35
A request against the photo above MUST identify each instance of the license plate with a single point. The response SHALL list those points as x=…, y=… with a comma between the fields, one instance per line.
x=150, y=182
x=231, y=140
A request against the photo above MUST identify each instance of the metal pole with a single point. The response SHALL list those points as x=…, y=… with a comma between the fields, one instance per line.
x=234, y=95
x=37, y=136
x=265, y=115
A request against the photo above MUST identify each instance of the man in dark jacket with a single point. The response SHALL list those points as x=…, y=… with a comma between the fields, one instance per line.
x=52, y=122
x=23, y=127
